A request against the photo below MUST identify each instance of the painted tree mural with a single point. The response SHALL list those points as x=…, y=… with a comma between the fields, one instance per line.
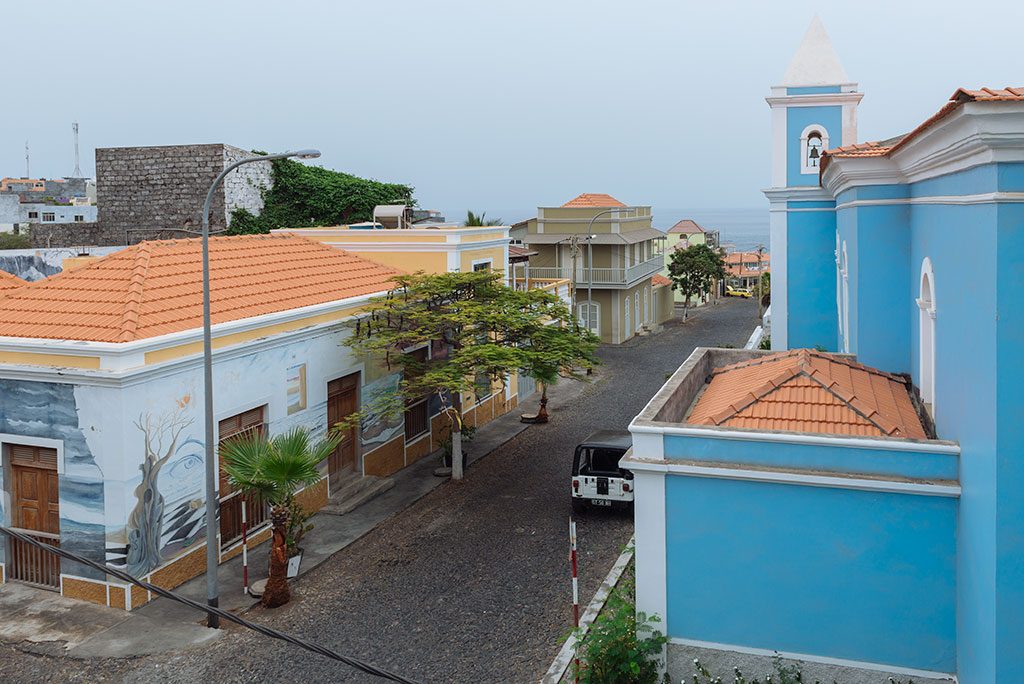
x=145, y=524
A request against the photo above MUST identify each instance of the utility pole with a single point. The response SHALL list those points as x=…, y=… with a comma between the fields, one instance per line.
x=28, y=172
x=760, y=253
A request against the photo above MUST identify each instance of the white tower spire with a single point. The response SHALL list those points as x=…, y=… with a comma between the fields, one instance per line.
x=815, y=62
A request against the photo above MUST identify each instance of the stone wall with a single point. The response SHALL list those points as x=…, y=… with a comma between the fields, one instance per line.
x=147, y=193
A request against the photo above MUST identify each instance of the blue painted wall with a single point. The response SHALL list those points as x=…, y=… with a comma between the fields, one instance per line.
x=799, y=118
x=810, y=247
x=1010, y=436
x=841, y=573
x=817, y=457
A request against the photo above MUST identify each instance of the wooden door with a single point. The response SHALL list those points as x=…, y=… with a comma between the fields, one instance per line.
x=342, y=401
x=230, y=501
x=36, y=512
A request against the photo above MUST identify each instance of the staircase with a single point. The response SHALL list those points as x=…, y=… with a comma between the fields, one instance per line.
x=353, y=491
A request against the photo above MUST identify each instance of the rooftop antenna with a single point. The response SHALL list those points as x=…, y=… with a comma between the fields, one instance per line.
x=78, y=169
x=28, y=174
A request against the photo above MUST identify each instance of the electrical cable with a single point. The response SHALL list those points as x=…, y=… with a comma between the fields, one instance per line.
x=266, y=631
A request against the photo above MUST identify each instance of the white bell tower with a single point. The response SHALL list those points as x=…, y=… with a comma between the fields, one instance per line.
x=814, y=109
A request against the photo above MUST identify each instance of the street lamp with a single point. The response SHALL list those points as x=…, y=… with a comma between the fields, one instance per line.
x=590, y=262
x=212, y=598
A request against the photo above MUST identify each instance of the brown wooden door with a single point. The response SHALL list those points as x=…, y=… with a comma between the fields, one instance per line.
x=230, y=500
x=36, y=511
x=342, y=401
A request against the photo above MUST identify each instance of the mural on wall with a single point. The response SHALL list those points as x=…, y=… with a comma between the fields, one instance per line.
x=48, y=410
x=380, y=426
x=145, y=522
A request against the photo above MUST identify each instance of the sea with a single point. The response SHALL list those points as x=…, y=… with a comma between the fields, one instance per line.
x=739, y=229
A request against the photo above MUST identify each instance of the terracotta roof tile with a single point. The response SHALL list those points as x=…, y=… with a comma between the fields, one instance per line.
x=808, y=391
x=591, y=199
x=657, y=279
x=9, y=283
x=686, y=227
x=155, y=288
x=886, y=147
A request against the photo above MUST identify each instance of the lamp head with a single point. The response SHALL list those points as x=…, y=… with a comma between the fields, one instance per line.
x=305, y=154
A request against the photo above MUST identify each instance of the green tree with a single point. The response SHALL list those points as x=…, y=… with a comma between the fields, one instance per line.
x=694, y=271
x=14, y=241
x=304, y=196
x=272, y=470
x=488, y=332
x=480, y=220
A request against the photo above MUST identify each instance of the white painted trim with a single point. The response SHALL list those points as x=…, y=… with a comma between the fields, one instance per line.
x=565, y=655
x=926, y=322
x=845, y=274
x=46, y=443
x=415, y=247
x=880, y=443
x=825, y=660
x=814, y=99
x=778, y=234
x=780, y=477
x=476, y=262
x=450, y=230
x=649, y=521
x=804, y=138
x=979, y=198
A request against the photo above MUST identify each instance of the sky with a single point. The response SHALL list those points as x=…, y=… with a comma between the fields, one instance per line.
x=492, y=106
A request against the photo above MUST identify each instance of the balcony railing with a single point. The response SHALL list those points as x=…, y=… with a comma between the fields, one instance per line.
x=559, y=286
x=602, y=276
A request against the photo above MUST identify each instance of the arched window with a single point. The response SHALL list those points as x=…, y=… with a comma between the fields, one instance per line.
x=813, y=142
x=926, y=323
x=845, y=319
x=839, y=286
x=589, y=316
x=627, y=328
x=647, y=305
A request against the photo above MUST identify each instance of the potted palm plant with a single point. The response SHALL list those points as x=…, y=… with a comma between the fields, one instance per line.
x=274, y=469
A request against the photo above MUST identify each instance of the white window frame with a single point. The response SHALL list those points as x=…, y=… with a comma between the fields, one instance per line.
x=845, y=271
x=636, y=312
x=926, y=334
x=813, y=128
x=647, y=305
x=839, y=285
x=591, y=307
x=52, y=215
x=627, y=327
x=480, y=262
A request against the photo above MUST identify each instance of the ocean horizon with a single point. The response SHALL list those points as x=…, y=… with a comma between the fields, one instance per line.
x=739, y=229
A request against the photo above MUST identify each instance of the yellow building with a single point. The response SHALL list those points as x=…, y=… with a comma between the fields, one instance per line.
x=687, y=233
x=609, y=251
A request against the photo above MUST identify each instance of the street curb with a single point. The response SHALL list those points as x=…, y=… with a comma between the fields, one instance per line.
x=565, y=656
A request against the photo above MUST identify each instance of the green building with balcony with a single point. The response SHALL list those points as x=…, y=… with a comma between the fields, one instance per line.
x=609, y=251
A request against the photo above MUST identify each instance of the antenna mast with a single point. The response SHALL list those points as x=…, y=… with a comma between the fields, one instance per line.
x=28, y=173
x=78, y=169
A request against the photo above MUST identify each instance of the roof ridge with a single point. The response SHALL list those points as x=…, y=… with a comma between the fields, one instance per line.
x=757, y=361
x=136, y=284
x=770, y=385
x=852, y=402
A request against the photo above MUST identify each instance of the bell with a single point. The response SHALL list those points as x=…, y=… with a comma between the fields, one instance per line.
x=814, y=156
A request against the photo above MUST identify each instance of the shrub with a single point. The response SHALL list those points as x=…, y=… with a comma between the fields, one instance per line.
x=13, y=241
x=780, y=674
x=611, y=652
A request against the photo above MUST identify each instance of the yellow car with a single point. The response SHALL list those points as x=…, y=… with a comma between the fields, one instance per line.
x=738, y=292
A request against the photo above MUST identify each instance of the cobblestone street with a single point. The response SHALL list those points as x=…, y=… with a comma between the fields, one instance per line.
x=470, y=584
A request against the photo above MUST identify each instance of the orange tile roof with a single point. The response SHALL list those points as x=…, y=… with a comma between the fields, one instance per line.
x=10, y=282
x=886, y=147
x=808, y=391
x=686, y=226
x=155, y=288
x=657, y=279
x=590, y=199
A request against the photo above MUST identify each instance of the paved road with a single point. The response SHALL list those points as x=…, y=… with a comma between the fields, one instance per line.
x=470, y=583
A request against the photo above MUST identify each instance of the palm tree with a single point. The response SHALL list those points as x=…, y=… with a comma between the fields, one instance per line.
x=480, y=220
x=273, y=470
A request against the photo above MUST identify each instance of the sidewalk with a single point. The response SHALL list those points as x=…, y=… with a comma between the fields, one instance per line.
x=43, y=622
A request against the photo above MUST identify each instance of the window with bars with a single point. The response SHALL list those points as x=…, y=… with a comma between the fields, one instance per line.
x=417, y=418
x=257, y=512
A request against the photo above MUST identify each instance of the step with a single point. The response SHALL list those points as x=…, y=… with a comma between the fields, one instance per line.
x=354, y=491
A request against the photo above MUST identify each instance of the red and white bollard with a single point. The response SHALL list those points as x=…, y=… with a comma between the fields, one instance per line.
x=575, y=589
x=245, y=552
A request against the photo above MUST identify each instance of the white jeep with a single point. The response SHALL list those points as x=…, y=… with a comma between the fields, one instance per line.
x=597, y=479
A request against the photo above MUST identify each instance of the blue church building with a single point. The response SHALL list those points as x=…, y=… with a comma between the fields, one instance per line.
x=855, y=498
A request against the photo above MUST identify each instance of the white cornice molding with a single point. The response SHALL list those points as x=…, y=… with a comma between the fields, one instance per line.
x=463, y=230
x=415, y=247
x=974, y=134
x=980, y=198
x=814, y=100
x=137, y=375
x=810, y=193
x=113, y=351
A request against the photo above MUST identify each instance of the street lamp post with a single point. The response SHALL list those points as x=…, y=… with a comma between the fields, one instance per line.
x=212, y=598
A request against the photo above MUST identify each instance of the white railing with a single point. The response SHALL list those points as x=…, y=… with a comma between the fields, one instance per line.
x=558, y=286
x=601, y=276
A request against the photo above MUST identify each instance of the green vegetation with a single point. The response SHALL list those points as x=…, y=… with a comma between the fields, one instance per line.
x=272, y=470
x=482, y=332
x=781, y=674
x=305, y=196
x=611, y=651
x=694, y=271
x=480, y=220
x=13, y=241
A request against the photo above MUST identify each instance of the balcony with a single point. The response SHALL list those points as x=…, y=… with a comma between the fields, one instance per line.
x=602, y=277
x=558, y=286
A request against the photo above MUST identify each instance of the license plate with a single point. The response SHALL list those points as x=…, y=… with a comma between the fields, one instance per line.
x=601, y=502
